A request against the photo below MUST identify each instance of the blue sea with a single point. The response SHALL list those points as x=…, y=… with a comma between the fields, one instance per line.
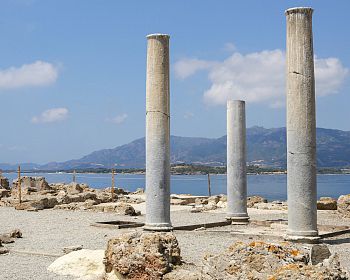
x=273, y=187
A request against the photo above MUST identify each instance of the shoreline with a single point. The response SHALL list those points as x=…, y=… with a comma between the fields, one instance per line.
x=144, y=173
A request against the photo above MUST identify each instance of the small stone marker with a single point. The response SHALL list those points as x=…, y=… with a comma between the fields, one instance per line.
x=319, y=253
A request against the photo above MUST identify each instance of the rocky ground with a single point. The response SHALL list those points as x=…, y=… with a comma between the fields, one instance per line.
x=57, y=229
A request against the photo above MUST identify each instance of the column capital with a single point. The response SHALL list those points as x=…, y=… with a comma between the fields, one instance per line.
x=233, y=103
x=157, y=35
x=299, y=10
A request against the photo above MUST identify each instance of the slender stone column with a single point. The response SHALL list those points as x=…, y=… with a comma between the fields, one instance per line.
x=301, y=126
x=236, y=162
x=157, y=134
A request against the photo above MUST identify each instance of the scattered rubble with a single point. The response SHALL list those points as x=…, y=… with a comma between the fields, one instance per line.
x=7, y=238
x=10, y=237
x=37, y=194
x=118, y=207
x=220, y=201
x=271, y=205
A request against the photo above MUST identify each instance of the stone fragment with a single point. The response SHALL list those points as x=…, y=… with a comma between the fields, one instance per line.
x=82, y=264
x=30, y=185
x=327, y=203
x=139, y=191
x=74, y=188
x=70, y=249
x=201, y=200
x=64, y=198
x=120, y=191
x=221, y=204
x=4, y=250
x=37, y=202
x=118, y=207
x=319, y=253
x=142, y=255
x=251, y=200
x=270, y=206
x=213, y=199
x=4, y=193
x=16, y=233
x=6, y=239
x=104, y=196
x=178, y=201
x=343, y=205
x=4, y=183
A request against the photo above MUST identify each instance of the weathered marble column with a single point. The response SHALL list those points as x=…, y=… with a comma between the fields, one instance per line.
x=301, y=126
x=236, y=162
x=157, y=134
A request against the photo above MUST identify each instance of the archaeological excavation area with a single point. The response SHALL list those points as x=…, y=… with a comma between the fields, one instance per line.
x=72, y=231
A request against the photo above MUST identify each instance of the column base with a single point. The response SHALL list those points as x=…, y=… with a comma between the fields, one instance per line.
x=238, y=220
x=158, y=227
x=310, y=237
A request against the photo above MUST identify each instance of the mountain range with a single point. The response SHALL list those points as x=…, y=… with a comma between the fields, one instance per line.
x=265, y=147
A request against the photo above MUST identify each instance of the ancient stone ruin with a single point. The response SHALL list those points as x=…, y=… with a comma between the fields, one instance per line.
x=301, y=126
x=236, y=162
x=158, y=134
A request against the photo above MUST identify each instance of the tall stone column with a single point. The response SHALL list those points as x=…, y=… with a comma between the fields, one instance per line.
x=301, y=126
x=236, y=162
x=157, y=134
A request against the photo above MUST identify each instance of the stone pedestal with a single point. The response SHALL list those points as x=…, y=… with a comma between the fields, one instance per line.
x=236, y=162
x=301, y=126
x=157, y=134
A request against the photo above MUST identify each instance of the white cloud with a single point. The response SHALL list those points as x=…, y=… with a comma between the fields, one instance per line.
x=187, y=67
x=51, y=115
x=230, y=47
x=39, y=73
x=188, y=115
x=118, y=119
x=258, y=77
x=330, y=75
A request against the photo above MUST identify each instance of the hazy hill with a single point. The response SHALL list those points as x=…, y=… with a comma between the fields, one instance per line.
x=266, y=147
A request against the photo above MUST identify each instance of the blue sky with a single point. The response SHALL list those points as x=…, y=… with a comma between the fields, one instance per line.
x=72, y=73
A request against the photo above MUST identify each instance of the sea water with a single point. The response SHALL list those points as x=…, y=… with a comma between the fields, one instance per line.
x=272, y=187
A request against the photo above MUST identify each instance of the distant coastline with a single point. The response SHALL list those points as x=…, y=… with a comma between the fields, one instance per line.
x=188, y=169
